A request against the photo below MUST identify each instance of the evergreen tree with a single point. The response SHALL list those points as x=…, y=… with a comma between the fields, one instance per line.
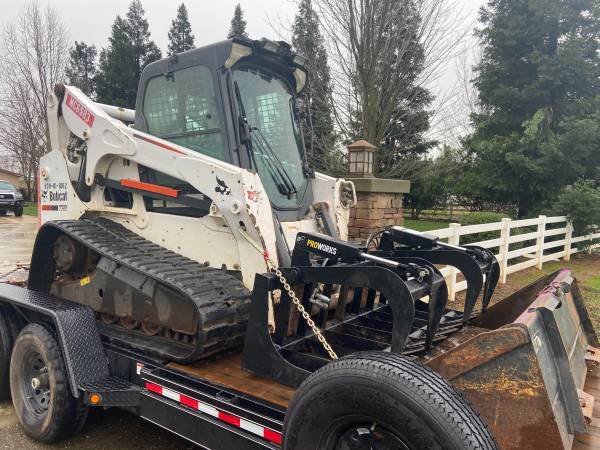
x=539, y=86
x=82, y=67
x=308, y=41
x=130, y=49
x=238, y=23
x=181, y=38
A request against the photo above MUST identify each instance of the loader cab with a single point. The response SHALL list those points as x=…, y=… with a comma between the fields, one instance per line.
x=235, y=101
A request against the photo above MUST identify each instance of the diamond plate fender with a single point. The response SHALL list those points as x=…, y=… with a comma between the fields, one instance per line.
x=75, y=328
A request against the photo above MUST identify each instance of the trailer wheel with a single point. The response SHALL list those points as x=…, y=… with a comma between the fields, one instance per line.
x=8, y=331
x=40, y=388
x=376, y=400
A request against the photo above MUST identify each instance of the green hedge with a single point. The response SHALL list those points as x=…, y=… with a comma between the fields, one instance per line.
x=478, y=218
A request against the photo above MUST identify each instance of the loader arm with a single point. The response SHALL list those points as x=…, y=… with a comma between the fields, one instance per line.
x=237, y=195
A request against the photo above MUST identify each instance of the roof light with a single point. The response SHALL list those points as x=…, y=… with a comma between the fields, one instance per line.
x=270, y=46
x=238, y=51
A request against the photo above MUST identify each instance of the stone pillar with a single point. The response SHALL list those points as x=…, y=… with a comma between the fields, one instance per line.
x=379, y=200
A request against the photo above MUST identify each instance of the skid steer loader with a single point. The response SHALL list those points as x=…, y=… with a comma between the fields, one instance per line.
x=193, y=268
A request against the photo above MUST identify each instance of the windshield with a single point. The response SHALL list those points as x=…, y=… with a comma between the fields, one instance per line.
x=276, y=138
x=6, y=186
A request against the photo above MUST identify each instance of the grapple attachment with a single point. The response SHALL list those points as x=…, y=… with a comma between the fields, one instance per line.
x=384, y=300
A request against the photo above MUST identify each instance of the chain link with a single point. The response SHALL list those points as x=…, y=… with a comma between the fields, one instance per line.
x=302, y=310
x=292, y=295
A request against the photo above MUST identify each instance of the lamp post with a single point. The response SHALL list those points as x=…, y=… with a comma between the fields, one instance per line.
x=361, y=158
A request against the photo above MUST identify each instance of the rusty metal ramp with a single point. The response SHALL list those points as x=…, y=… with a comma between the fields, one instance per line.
x=528, y=365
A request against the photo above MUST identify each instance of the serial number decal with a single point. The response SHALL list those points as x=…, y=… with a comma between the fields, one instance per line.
x=321, y=247
x=80, y=110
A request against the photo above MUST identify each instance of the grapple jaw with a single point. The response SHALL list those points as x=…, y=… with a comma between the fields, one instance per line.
x=477, y=264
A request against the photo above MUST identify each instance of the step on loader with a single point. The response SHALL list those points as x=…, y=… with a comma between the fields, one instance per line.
x=193, y=268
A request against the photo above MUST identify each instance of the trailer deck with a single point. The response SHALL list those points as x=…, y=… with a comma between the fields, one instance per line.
x=226, y=371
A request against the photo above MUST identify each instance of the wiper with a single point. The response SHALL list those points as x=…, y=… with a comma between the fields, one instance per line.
x=278, y=174
x=285, y=177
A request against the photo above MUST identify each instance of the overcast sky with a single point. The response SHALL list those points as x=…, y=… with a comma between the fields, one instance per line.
x=90, y=21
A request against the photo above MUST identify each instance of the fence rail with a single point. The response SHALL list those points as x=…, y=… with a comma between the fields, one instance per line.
x=520, y=244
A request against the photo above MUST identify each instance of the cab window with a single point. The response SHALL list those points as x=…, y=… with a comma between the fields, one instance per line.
x=182, y=107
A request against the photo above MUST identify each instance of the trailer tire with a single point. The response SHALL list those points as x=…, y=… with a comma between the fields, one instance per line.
x=8, y=332
x=372, y=398
x=49, y=412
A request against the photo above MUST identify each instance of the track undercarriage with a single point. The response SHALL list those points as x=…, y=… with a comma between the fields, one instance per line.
x=144, y=296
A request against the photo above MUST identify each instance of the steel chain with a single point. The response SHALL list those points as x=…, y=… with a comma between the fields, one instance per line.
x=302, y=310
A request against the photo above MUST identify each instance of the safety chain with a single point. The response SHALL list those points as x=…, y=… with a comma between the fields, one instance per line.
x=301, y=309
x=292, y=295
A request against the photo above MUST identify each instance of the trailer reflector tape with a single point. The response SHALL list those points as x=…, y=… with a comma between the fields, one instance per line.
x=244, y=424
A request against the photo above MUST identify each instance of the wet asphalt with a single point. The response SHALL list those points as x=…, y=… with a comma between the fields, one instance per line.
x=105, y=429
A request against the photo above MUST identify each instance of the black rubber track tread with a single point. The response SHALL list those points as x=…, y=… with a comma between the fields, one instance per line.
x=69, y=413
x=443, y=402
x=220, y=297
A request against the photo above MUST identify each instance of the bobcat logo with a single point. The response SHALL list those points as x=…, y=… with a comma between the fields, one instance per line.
x=222, y=188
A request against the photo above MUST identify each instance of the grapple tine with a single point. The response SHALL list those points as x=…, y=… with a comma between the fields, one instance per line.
x=461, y=260
x=438, y=297
x=492, y=277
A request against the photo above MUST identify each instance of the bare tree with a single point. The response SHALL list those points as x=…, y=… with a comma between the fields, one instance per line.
x=384, y=54
x=454, y=115
x=35, y=52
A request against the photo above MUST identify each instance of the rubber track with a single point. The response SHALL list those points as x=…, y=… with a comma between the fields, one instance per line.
x=443, y=400
x=221, y=298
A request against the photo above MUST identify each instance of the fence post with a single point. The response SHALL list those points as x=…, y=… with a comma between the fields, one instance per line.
x=503, y=250
x=539, y=252
x=568, y=238
x=453, y=239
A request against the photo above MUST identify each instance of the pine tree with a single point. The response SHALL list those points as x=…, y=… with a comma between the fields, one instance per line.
x=82, y=67
x=181, y=38
x=539, y=86
x=238, y=24
x=308, y=41
x=130, y=49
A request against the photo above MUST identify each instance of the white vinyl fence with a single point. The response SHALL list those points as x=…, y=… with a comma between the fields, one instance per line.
x=520, y=244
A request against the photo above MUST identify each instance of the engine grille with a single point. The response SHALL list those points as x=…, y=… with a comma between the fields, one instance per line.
x=7, y=196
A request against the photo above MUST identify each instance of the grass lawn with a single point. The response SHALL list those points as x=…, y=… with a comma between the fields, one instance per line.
x=424, y=225
x=30, y=209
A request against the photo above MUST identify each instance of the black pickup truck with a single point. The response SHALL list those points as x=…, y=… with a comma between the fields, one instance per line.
x=10, y=199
